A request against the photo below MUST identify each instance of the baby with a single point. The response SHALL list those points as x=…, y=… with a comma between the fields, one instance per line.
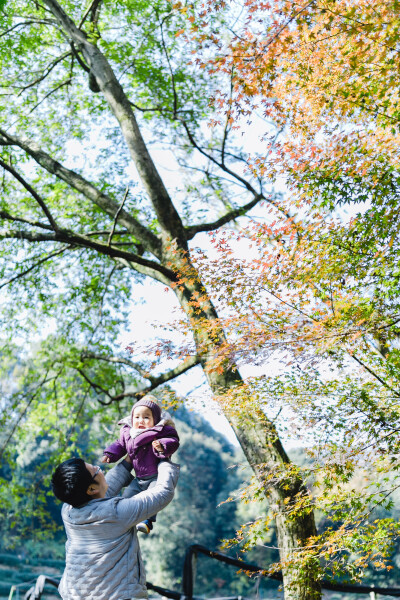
x=147, y=436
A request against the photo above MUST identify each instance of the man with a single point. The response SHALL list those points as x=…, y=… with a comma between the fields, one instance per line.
x=103, y=560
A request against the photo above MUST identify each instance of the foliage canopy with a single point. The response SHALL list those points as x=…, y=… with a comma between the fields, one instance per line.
x=88, y=96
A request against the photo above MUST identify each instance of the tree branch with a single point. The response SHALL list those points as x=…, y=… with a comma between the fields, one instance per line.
x=30, y=22
x=155, y=381
x=227, y=123
x=59, y=86
x=93, y=6
x=386, y=385
x=186, y=365
x=192, y=230
x=75, y=239
x=34, y=266
x=143, y=270
x=106, y=232
x=169, y=65
x=113, y=359
x=76, y=181
x=47, y=71
x=223, y=166
x=286, y=24
x=97, y=388
x=219, y=164
x=120, y=207
x=78, y=58
x=29, y=401
x=33, y=193
x=8, y=217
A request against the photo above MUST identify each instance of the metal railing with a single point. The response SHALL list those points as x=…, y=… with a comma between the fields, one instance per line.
x=192, y=551
x=36, y=591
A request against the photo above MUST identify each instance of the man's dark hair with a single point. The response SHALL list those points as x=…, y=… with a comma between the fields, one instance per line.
x=70, y=481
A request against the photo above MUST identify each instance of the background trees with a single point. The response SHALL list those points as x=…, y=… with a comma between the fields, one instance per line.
x=212, y=470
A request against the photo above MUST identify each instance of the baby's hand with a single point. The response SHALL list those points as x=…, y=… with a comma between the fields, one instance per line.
x=157, y=445
x=105, y=459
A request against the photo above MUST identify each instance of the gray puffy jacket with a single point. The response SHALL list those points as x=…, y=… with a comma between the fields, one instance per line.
x=103, y=560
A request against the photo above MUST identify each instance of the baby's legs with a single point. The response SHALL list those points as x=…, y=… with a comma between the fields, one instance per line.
x=132, y=489
x=140, y=485
x=146, y=484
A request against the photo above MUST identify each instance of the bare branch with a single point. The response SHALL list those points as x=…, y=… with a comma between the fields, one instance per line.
x=47, y=71
x=34, y=266
x=33, y=193
x=121, y=206
x=8, y=217
x=75, y=239
x=155, y=381
x=230, y=216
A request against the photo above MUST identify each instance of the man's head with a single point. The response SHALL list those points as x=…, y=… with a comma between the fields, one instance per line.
x=146, y=413
x=76, y=482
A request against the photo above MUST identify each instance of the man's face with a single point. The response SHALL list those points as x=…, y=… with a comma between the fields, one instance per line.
x=99, y=486
x=142, y=418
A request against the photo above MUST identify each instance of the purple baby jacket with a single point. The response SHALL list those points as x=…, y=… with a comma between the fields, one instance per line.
x=144, y=457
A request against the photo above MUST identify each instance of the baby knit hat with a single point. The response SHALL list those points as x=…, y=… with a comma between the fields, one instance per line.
x=151, y=403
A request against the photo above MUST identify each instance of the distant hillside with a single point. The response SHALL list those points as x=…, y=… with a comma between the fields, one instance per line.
x=23, y=572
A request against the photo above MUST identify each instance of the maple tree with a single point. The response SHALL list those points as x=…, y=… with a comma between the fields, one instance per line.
x=86, y=93
x=323, y=290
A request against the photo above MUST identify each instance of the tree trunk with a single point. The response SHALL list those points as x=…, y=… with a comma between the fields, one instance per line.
x=257, y=436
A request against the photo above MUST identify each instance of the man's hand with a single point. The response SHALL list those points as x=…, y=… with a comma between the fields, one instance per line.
x=157, y=445
x=105, y=459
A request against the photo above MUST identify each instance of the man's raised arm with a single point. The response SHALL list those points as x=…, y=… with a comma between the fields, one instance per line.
x=118, y=477
x=144, y=505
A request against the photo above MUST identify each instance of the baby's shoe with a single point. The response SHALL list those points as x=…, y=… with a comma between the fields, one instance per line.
x=145, y=526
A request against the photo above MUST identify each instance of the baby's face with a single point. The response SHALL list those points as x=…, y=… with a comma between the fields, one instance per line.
x=142, y=418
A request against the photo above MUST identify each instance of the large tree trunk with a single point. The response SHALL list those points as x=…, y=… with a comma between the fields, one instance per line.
x=257, y=436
